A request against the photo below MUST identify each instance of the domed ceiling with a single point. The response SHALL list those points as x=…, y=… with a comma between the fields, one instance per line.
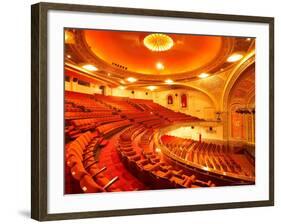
x=115, y=56
x=188, y=53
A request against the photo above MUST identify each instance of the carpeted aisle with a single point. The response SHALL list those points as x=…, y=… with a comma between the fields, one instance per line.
x=109, y=157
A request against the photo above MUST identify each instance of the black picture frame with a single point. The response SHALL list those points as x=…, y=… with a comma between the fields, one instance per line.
x=39, y=149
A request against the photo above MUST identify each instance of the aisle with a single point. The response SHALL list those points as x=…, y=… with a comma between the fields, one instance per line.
x=109, y=157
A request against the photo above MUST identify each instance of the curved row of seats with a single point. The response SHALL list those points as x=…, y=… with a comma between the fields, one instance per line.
x=80, y=158
x=149, y=167
x=209, y=155
x=117, y=103
x=84, y=101
x=111, y=128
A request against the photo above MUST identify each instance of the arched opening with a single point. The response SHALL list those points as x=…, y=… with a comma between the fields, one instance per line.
x=183, y=101
x=102, y=89
x=241, y=107
x=170, y=100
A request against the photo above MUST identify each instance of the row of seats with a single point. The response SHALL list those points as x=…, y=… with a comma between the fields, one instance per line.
x=148, y=165
x=208, y=155
x=117, y=103
x=163, y=112
x=70, y=107
x=80, y=158
x=87, y=124
x=113, y=127
x=80, y=115
x=85, y=101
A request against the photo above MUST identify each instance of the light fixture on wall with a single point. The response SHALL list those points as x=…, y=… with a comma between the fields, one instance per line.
x=218, y=113
x=158, y=42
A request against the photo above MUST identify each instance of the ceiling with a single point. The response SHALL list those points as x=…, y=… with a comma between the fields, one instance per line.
x=118, y=55
x=189, y=52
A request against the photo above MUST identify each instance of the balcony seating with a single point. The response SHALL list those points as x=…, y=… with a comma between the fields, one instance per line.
x=211, y=156
x=148, y=165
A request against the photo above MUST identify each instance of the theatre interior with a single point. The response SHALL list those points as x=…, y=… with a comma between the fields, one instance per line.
x=156, y=111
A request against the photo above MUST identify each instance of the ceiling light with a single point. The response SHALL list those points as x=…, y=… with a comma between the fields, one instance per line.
x=122, y=82
x=108, y=74
x=248, y=39
x=203, y=75
x=68, y=56
x=158, y=42
x=131, y=79
x=169, y=81
x=234, y=57
x=122, y=87
x=151, y=88
x=159, y=66
x=90, y=67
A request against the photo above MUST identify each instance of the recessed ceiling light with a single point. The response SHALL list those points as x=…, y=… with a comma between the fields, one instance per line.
x=234, y=57
x=108, y=74
x=159, y=66
x=122, y=87
x=169, y=81
x=248, y=39
x=203, y=75
x=131, y=79
x=90, y=67
x=151, y=88
x=68, y=56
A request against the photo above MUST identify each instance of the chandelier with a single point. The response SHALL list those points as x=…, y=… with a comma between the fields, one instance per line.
x=158, y=42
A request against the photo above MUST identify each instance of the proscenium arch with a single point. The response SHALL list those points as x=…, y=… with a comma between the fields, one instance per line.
x=248, y=61
x=236, y=73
